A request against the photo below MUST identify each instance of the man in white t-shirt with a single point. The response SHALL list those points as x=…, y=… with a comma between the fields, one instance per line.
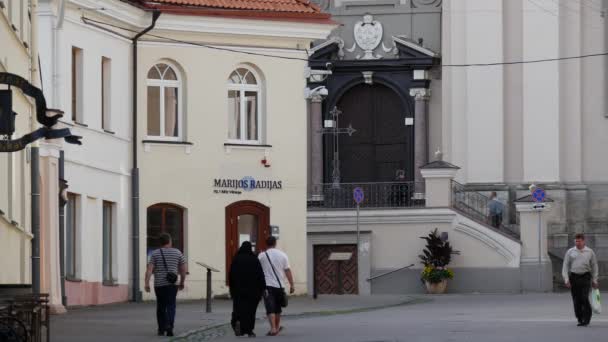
x=276, y=268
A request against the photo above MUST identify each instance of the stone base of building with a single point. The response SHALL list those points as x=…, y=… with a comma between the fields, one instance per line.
x=535, y=277
x=95, y=293
x=466, y=280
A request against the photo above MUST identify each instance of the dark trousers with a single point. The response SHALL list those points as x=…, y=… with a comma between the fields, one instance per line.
x=580, y=288
x=496, y=220
x=244, y=307
x=165, y=306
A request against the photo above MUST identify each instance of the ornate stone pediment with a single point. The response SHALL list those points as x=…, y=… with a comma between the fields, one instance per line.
x=368, y=35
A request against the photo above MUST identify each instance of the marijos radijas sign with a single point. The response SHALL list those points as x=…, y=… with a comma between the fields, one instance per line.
x=45, y=116
x=237, y=186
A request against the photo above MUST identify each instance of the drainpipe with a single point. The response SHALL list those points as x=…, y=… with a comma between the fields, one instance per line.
x=605, y=16
x=135, y=171
x=34, y=154
x=62, y=183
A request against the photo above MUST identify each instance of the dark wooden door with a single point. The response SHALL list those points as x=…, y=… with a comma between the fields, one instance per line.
x=383, y=144
x=246, y=221
x=335, y=277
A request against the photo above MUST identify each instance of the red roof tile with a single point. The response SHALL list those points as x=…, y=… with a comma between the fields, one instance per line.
x=293, y=6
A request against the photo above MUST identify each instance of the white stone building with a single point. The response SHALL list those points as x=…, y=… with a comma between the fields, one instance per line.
x=511, y=91
x=86, y=73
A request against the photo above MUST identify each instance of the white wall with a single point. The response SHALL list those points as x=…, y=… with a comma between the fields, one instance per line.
x=533, y=122
x=99, y=169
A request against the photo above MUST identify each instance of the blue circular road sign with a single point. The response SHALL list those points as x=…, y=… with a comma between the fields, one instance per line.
x=539, y=195
x=358, y=195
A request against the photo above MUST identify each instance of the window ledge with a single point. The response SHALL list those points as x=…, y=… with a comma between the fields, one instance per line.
x=186, y=145
x=228, y=147
x=73, y=279
x=169, y=142
x=110, y=283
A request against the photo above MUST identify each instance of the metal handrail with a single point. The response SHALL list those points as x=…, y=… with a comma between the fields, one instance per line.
x=209, y=270
x=377, y=195
x=387, y=273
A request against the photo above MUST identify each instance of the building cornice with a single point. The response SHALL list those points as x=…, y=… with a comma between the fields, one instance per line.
x=137, y=18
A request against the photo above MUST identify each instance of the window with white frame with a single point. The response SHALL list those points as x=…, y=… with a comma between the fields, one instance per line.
x=106, y=93
x=244, y=107
x=164, y=103
x=109, y=276
x=71, y=237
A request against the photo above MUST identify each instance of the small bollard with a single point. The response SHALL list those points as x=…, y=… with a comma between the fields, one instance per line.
x=208, y=294
x=208, y=290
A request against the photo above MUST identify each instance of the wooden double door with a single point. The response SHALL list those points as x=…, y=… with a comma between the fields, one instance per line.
x=383, y=145
x=246, y=221
x=335, y=277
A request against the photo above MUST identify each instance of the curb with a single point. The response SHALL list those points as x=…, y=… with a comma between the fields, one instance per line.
x=412, y=301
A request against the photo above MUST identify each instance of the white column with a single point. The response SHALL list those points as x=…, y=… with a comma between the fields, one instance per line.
x=541, y=96
x=49, y=224
x=421, y=136
x=438, y=181
x=484, y=85
x=570, y=105
x=535, y=276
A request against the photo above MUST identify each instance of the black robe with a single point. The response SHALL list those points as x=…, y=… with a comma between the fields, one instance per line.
x=247, y=284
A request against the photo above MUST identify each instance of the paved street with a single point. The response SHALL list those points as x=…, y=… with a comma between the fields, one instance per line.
x=137, y=322
x=495, y=318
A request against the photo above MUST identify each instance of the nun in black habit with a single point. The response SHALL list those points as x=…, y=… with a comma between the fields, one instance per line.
x=247, y=285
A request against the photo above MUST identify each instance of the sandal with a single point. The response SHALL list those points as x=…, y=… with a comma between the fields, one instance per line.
x=270, y=333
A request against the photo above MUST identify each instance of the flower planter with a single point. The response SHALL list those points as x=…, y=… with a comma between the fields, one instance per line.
x=436, y=288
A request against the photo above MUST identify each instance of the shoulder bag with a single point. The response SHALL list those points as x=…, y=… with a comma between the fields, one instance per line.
x=171, y=277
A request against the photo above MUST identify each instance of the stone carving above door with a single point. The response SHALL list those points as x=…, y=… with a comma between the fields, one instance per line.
x=368, y=36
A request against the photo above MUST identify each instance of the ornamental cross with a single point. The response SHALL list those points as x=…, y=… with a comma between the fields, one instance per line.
x=335, y=130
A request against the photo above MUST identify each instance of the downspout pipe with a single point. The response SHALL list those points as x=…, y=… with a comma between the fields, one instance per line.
x=137, y=296
x=35, y=155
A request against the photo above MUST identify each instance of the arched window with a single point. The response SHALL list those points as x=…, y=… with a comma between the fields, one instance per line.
x=244, y=107
x=165, y=218
x=164, y=103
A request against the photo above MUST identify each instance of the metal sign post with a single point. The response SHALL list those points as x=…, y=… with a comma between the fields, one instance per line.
x=539, y=197
x=358, y=196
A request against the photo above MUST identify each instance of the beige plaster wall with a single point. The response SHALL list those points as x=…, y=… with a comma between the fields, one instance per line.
x=15, y=228
x=183, y=175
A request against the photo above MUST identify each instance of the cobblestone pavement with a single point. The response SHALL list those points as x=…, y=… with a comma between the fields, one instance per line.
x=450, y=318
x=137, y=322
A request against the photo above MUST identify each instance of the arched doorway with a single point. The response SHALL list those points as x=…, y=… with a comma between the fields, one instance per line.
x=165, y=218
x=383, y=145
x=246, y=221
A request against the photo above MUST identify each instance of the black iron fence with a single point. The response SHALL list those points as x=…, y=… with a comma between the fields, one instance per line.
x=25, y=318
x=376, y=195
x=477, y=207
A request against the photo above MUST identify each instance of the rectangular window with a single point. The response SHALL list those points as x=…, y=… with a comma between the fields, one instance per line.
x=106, y=95
x=171, y=124
x=251, y=115
x=234, y=113
x=71, y=233
x=108, y=243
x=77, y=114
x=153, y=111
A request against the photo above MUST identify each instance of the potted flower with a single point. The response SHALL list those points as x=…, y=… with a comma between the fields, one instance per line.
x=436, y=256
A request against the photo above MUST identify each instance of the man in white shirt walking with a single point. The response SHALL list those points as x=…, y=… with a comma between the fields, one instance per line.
x=276, y=268
x=580, y=272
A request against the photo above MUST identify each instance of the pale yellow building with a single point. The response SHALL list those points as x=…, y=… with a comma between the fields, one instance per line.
x=15, y=229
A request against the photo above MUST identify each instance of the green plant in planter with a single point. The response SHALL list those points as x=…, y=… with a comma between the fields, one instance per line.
x=436, y=256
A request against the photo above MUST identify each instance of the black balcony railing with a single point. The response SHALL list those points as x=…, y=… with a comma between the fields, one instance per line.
x=25, y=318
x=376, y=195
x=476, y=206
